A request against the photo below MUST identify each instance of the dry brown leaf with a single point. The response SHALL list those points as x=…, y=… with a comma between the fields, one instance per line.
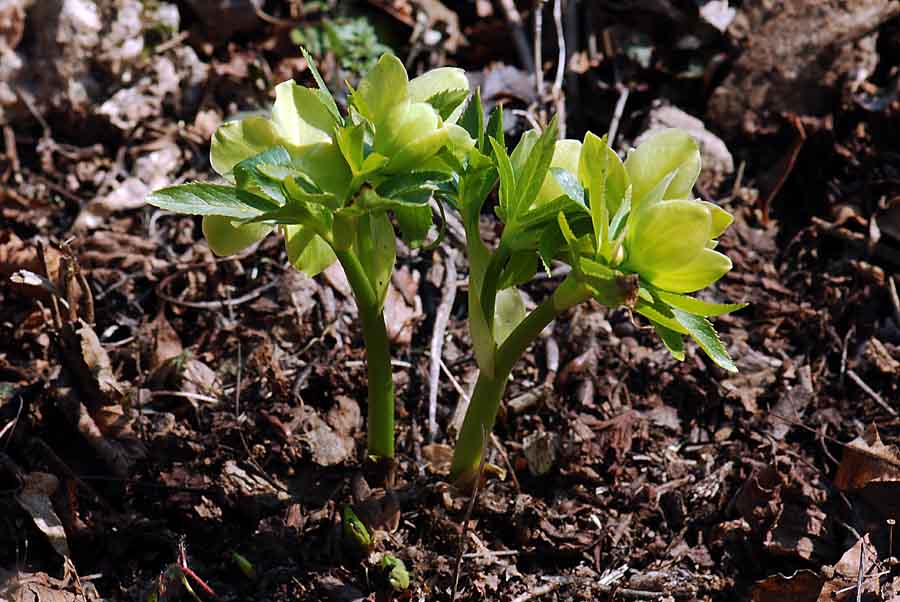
x=867, y=460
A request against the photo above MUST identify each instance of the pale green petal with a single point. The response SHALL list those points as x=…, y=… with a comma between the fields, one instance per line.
x=383, y=88
x=415, y=154
x=436, y=81
x=705, y=269
x=224, y=238
x=566, y=156
x=307, y=251
x=405, y=124
x=237, y=140
x=300, y=116
x=667, y=151
x=459, y=138
x=326, y=166
x=589, y=168
x=721, y=219
x=667, y=236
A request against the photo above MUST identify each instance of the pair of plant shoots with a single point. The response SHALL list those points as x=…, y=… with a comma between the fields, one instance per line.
x=336, y=184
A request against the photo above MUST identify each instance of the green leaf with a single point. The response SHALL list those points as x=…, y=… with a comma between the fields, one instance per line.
x=472, y=119
x=696, y=306
x=600, y=167
x=570, y=185
x=324, y=93
x=494, y=129
x=307, y=251
x=705, y=335
x=376, y=248
x=351, y=140
x=671, y=339
x=250, y=174
x=507, y=177
x=408, y=182
x=550, y=244
x=234, y=141
x=446, y=102
x=210, y=199
x=532, y=174
x=520, y=268
x=660, y=314
x=414, y=222
x=300, y=115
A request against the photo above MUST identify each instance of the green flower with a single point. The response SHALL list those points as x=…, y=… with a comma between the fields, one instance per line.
x=668, y=238
x=412, y=119
x=670, y=244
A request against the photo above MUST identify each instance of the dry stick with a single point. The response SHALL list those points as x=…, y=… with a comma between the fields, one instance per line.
x=213, y=305
x=558, y=96
x=871, y=393
x=895, y=299
x=617, y=114
x=624, y=593
x=538, y=33
x=54, y=302
x=514, y=20
x=465, y=528
x=437, y=339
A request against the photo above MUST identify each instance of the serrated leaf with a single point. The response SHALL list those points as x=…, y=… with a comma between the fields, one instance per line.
x=494, y=129
x=414, y=222
x=324, y=93
x=520, y=268
x=696, y=306
x=660, y=314
x=210, y=199
x=507, y=176
x=671, y=339
x=446, y=102
x=569, y=184
x=705, y=335
x=531, y=176
x=249, y=173
x=472, y=119
x=408, y=182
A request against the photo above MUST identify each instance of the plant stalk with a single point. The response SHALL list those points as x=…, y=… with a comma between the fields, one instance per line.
x=489, y=389
x=378, y=358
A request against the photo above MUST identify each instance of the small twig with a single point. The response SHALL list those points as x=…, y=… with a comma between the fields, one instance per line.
x=895, y=299
x=538, y=43
x=624, y=91
x=212, y=305
x=10, y=428
x=54, y=302
x=437, y=339
x=467, y=518
x=559, y=98
x=509, y=467
x=871, y=392
x=172, y=42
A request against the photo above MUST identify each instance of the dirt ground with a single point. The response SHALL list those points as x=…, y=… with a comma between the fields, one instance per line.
x=168, y=417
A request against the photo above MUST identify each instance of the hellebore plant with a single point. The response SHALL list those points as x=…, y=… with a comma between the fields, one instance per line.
x=631, y=232
x=330, y=183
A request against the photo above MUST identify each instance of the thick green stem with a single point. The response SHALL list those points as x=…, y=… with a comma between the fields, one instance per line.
x=378, y=358
x=488, y=393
